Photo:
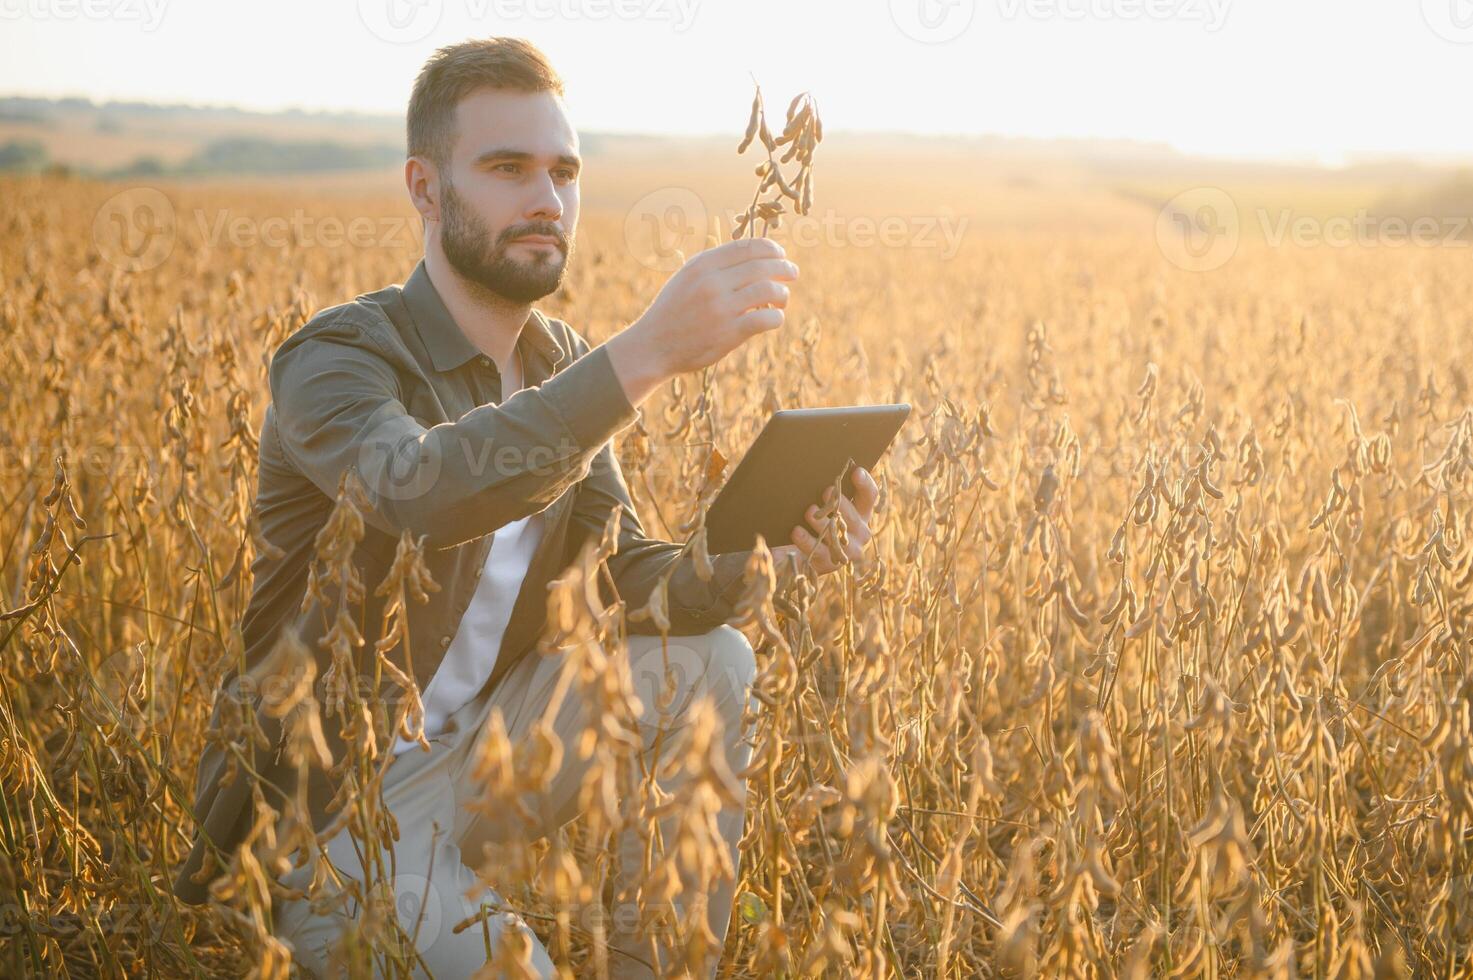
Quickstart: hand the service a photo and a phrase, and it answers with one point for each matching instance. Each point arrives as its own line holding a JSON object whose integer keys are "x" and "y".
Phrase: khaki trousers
{"x": 428, "y": 791}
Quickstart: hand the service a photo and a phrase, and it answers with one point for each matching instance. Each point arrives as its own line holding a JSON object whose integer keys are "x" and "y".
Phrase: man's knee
{"x": 730, "y": 655}
{"x": 430, "y": 909}
{"x": 675, "y": 674}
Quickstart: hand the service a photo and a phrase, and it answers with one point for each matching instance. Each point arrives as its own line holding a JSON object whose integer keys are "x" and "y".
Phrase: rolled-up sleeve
{"x": 337, "y": 406}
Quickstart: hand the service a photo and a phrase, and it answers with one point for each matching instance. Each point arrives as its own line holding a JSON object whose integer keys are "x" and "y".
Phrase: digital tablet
{"x": 798, "y": 454}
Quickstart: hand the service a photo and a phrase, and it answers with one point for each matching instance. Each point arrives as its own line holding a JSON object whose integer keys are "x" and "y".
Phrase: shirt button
{"x": 480, "y": 570}
{"x": 485, "y": 361}
{"x": 445, "y": 642}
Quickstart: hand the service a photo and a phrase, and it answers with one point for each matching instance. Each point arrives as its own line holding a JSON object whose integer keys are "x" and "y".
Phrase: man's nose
{"x": 545, "y": 202}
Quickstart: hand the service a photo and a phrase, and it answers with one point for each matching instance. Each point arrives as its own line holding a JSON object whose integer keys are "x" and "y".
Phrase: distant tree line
{"x": 235, "y": 155}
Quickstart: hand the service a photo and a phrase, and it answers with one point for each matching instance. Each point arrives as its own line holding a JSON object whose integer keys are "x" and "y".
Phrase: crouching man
{"x": 484, "y": 428}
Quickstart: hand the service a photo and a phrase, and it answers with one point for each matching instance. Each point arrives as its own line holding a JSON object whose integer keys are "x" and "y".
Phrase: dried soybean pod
{"x": 805, "y": 147}
{"x": 793, "y": 106}
{"x": 794, "y": 128}
{"x": 1071, "y": 607}
{"x": 795, "y": 123}
{"x": 782, "y": 185}
{"x": 752, "y": 122}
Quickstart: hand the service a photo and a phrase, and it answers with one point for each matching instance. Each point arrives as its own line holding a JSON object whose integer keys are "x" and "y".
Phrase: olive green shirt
{"x": 389, "y": 387}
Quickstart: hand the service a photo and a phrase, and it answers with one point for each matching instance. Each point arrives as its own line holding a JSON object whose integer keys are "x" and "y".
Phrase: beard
{"x": 471, "y": 252}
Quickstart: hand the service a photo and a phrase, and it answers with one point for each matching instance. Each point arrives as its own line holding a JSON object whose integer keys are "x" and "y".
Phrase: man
{"x": 484, "y": 428}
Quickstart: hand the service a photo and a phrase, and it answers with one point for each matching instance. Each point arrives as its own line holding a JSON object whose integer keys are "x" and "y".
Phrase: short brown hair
{"x": 454, "y": 72}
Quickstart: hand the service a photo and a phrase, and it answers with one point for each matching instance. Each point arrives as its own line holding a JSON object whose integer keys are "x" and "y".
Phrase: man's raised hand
{"x": 711, "y": 305}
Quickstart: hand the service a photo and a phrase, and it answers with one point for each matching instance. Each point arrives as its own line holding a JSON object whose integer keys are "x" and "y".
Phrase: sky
{"x": 1304, "y": 80}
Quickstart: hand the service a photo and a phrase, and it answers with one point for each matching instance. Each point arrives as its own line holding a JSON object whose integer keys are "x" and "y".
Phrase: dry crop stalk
{"x": 802, "y": 132}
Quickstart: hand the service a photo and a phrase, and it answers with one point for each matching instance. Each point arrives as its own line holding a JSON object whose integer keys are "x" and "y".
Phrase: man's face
{"x": 509, "y": 195}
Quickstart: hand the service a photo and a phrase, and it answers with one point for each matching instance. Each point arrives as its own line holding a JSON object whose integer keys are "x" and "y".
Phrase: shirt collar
{"x": 448, "y": 346}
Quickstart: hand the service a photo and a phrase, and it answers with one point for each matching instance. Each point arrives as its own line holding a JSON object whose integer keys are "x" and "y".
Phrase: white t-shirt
{"x": 473, "y": 651}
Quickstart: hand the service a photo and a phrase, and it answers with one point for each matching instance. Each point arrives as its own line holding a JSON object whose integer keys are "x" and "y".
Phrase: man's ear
{"x": 422, "y": 180}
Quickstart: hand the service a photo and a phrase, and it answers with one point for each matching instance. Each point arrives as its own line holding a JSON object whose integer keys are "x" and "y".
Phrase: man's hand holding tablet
{"x": 816, "y": 546}
{"x": 783, "y": 488}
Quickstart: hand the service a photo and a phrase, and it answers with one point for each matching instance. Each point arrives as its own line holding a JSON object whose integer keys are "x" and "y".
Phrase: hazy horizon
{"x": 724, "y": 133}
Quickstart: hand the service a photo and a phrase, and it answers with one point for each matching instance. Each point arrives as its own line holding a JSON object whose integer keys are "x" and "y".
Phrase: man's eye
{"x": 500, "y": 166}
{"x": 568, "y": 174}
